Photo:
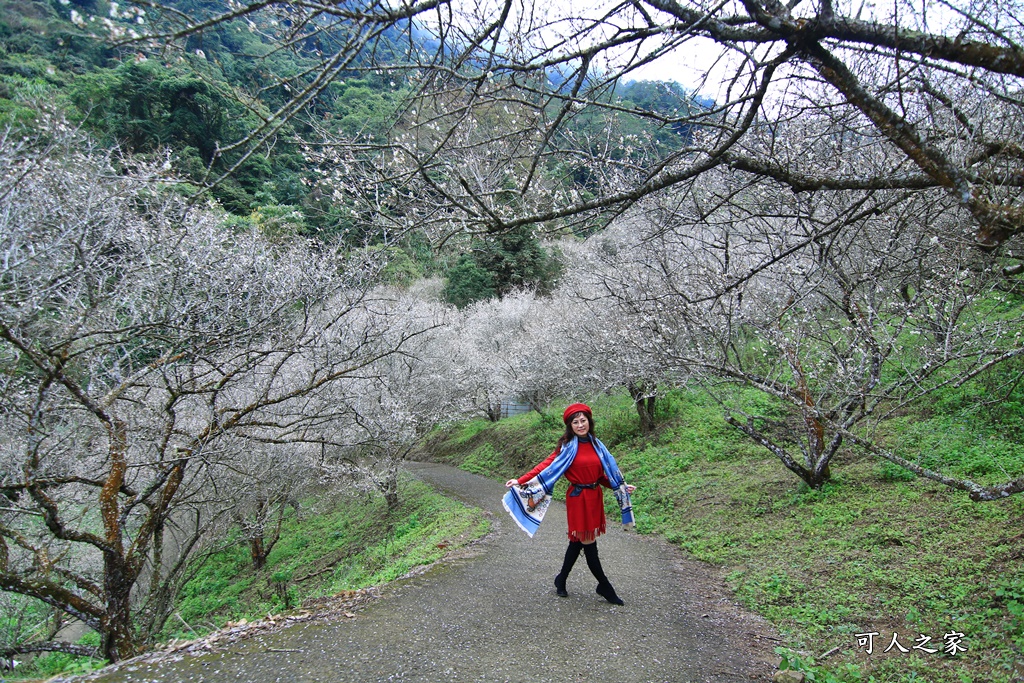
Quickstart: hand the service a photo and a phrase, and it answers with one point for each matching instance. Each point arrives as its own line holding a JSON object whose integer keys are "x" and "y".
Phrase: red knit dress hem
{"x": 587, "y": 536}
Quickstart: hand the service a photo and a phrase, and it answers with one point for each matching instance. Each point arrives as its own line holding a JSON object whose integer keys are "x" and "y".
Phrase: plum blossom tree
{"x": 546, "y": 359}
{"x": 145, "y": 351}
{"x": 483, "y": 357}
{"x": 845, "y": 311}
{"x": 375, "y": 419}
{"x": 617, "y": 350}
{"x": 539, "y": 348}
{"x": 275, "y": 478}
{"x": 822, "y": 124}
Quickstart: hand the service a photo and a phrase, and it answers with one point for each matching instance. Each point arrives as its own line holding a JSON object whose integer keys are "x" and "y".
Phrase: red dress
{"x": 585, "y": 511}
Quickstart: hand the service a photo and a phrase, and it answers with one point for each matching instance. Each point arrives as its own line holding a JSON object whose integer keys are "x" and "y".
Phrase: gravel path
{"x": 491, "y": 614}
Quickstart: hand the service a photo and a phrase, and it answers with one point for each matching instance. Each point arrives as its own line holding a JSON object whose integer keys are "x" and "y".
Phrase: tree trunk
{"x": 117, "y": 637}
{"x": 391, "y": 497}
{"x": 645, "y": 409}
{"x": 818, "y": 470}
{"x": 814, "y": 475}
{"x": 644, "y": 402}
{"x": 389, "y": 487}
{"x": 258, "y": 552}
{"x": 817, "y": 478}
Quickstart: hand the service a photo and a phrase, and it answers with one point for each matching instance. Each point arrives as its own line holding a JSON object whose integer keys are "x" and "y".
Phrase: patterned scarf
{"x": 528, "y": 503}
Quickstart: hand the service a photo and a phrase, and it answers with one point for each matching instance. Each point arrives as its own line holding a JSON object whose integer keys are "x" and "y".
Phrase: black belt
{"x": 577, "y": 489}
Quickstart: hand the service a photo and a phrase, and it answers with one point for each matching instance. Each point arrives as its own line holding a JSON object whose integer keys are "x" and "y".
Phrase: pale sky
{"x": 695, "y": 65}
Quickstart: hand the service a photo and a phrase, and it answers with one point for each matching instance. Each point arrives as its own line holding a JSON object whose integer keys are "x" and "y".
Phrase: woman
{"x": 586, "y": 464}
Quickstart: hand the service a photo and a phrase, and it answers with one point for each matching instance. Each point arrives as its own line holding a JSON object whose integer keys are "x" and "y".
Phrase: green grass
{"x": 354, "y": 543}
{"x": 974, "y": 431}
{"x": 876, "y": 549}
{"x": 48, "y": 664}
{"x": 51, "y": 664}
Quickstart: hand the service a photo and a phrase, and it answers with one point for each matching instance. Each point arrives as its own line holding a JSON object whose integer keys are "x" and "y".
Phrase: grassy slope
{"x": 353, "y": 543}
{"x": 875, "y": 550}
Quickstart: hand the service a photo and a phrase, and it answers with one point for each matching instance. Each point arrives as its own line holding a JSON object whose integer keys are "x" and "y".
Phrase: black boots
{"x": 604, "y": 587}
{"x": 571, "y": 553}
{"x": 606, "y": 591}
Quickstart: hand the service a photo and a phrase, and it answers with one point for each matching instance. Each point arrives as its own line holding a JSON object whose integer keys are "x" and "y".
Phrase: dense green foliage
{"x": 192, "y": 102}
{"x": 53, "y": 663}
{"x": 876, "y": 549}
{"x": 468, "y": 282}
{"x": 502, "y": 264}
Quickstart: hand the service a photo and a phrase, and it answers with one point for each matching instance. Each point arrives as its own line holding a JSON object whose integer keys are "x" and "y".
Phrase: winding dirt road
{"x": 492, "y": 615}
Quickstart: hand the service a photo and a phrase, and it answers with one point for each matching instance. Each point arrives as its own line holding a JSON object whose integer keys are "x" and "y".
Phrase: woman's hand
{"x": 511, "y": 482}
{"x": 630, "y": 488}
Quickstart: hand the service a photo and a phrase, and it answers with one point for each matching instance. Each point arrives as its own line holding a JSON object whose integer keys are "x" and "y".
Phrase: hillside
{"x": 194, "y": 102}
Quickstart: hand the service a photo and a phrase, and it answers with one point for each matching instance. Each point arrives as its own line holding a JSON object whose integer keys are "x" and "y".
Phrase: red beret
{"x": 576, "y": 408}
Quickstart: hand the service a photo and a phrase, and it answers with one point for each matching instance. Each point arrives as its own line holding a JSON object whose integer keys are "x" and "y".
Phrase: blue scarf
{"x": 528, "y": 503}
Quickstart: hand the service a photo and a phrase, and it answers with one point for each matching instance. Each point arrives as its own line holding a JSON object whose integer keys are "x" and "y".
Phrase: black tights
{"x": 593, "y": 562}
{"x": 571, "y": 553}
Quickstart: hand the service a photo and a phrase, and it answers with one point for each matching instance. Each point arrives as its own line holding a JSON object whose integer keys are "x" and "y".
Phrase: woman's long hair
{"x": 569, "y": 434}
